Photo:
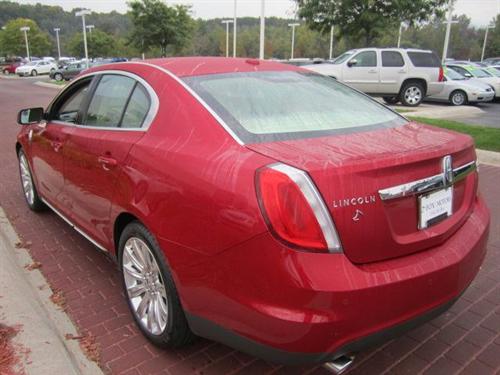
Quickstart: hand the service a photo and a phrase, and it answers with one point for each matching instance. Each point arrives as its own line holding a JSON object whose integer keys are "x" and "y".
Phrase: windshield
{"x": 270, "y": 106}
{"x": 494, "y": 72}
{"x": 480, "y": 73}
{"x": 454, "y": 76}
{"x": 342, "y": 58}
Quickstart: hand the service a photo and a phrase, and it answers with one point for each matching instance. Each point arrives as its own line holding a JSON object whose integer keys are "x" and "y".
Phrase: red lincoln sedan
{"x": 258, "y": 204}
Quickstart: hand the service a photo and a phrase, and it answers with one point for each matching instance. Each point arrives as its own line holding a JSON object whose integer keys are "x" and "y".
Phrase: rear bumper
{"x": 293, "y": 307}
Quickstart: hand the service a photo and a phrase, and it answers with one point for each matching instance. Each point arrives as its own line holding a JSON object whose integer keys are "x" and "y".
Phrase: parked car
{"x": 492, "y": 61}
{"x": 258, "y": 204}
{"x": 34, "y": 68}
{"x": 69, "y": 71}
{"x": 11, "y": 68}
{"x": 458, "y": 90}
{"x": 470, "y": 71}
{"x": 405, "y": 75}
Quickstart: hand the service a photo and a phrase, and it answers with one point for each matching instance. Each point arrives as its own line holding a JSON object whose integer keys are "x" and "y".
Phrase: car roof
{"x": 197, "y": 66}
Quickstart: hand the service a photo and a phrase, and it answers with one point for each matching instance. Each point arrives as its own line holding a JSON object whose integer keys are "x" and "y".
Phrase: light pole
{"x": 82, "y": 13}
{"x": 293, "y": 26}
{"x": 25, "y": 29}
{"x": 486, "y": 39}
{"x": 262, "y": 28}
{"x": 331, "y": 43}
{"x": 57, "y": 29}
{"x": 400, "y": 32}
{"x": 234, "y": 30}
{"x": 448, "y": 28}
{"x": 89, "y": 28}
{"x": 227, "y": 22}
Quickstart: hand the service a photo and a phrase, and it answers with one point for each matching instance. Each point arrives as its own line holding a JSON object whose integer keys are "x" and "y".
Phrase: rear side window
{"x": 392, "y": 59}
{"x": 424, "y": 59}
{"x": 137, "y": 108}
{"x": 366, "y": 58}
{"x": 109, "y": 101}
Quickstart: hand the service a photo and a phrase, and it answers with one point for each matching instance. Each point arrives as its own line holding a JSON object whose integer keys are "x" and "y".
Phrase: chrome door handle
{"x": 56, "y": 145}
{"x": 402, "y": 71}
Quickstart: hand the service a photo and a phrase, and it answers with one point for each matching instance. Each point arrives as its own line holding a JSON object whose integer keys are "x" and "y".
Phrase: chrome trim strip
{"x": 427, "y": 184}
{"x": 195, "y": 95}
{"x": 153, "y": 108}
{"x": 96, "y": 244}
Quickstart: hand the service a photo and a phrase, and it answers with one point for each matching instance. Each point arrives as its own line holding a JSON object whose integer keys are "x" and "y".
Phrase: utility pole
{"x": 57, "y": 29}
{"x": 25, "y": 29}
{"x": 399, "y": 35}
{"x": 82, "y": 14}
{"x": 293, "y": 26}
{"x": 227, "y": 22}
{"x": 331, "y": 43}
{"x": 448, "y": 28}
{"x": 486, "y": 39}
{"x": 262, "y": 28}
{"x": 234, "y": 30}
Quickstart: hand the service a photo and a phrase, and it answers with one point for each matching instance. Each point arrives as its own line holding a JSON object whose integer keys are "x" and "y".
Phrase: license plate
{"x": 434, "y": 207}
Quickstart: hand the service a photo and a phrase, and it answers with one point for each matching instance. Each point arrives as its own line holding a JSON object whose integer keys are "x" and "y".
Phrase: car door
{"x": 43, "y": 67}
{"x": 96, "y": 151}
{"x": 362, "y": 71}
{"x": 48, "y": 139}
{"x": 392, "y": 72}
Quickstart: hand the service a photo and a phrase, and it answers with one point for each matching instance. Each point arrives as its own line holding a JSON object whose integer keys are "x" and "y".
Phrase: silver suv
{"x": 396, "y": 74}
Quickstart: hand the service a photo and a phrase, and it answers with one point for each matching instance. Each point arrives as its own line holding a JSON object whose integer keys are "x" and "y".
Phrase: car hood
{"x": 326, "y": 69}
{"x": 494, "y": 81}
{"x": 471, "y": 84}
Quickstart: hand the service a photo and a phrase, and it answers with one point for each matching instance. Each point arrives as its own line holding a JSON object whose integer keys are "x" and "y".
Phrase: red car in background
{"x": 10, "y": 68}
{"x": 258, "y": 204}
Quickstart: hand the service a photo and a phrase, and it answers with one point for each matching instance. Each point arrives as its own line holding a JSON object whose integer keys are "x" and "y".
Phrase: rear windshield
{"x": 424, "y": 59}
{"x": 270, "y": 106}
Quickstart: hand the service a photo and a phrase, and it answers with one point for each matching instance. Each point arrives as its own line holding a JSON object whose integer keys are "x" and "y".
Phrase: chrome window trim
{"x": 424, "y": 185}
{"x": 153, "y": 106}
{"x": 95, "y": 243}
{"x": 193, "y": 94}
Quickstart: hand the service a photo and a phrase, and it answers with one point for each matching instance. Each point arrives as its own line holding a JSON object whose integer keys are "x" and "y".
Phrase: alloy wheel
{"x": 145, "y": 286}
{"x": 413, "y": 95}
{"x": 458, "y": 98}
{"x": 26, "y": 179}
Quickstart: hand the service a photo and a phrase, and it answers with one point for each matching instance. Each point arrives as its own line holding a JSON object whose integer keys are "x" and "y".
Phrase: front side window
{"x": 392, "y": 59}
{"x": 270, "y": 106}
{"x": 109, "y": 101}
{"x": 366, "y": 59}
{"x": 69, "y": 106}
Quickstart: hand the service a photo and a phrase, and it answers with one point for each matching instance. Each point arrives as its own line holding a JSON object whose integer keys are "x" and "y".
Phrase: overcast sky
{"x": 480, "y": 11}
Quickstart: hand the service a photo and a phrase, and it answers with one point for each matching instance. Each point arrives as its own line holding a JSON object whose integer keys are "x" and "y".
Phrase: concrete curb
{"x": 26, "y": 301}
{"x": 50, "y": 85}
{"x": 488, "y": 157}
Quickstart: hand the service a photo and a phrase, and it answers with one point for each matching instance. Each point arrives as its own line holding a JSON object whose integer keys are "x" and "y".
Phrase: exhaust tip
{"x": 340, "y": 365}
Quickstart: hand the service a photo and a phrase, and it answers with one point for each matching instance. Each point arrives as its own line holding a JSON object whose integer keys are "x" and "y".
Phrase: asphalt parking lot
{"x": 465, "y": 340}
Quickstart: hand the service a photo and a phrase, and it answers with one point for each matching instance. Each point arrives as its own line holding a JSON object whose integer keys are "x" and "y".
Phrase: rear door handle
{"x": 372, "y": 71}
{"x": 107, "y": 162}
{"x": 56, "y": 145}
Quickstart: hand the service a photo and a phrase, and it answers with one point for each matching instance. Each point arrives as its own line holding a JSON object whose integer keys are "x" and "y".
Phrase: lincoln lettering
{"x": 354, "y": 201}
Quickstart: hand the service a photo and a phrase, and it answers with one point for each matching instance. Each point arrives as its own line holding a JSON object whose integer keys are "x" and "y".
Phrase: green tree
{"x": 12, "y": 39}
{"x": 158, "y": 25}
{"x": 99, "y": 44}
{"x": 365, "y": 19}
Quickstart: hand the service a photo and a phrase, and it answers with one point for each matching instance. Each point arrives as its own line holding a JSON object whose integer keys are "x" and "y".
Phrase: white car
{"x": 470, "y": 71}
{"x": 34, "y": 68}
{"x": 396, "y": 74}
{"x": 458, "y": 90}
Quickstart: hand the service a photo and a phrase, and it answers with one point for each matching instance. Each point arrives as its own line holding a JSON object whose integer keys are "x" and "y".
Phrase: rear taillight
{"x": 294, "y": 210}
{"x": 441, "y": 74}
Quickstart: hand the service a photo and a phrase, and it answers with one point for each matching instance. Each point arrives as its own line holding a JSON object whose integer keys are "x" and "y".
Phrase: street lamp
{"x": 293, "y": 26}
{"x": 400, "y": 32}
{"x": 331, "y": 43}
{"x": 448, "y": 28}
{"x": 262, "y": 28}
{"x": 485, "y": 39}
{"x": 227, "y": 22}
{"x": 57, "y": 29}
{"x": 234, "y": 30}
{"x": 90, "y": 27}
{"x": 82, "y": 13}
{"x": 25, "y": 29}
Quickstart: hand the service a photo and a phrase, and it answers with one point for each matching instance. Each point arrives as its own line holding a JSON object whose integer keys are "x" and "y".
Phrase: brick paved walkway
{"x": 466, "y": 339}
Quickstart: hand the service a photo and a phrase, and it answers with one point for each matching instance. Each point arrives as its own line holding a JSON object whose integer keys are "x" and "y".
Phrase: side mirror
{"x": 352, "y": 62}
{"x": 445, "y": 79}
{"x": 467, "y": 75}
{"x": 30, "y": 116}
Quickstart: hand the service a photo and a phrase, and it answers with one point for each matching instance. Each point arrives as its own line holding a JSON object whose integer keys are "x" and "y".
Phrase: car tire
{"x": 58, "y": 77}
{"x": 412, "y": 94}
{"x": 34, "y": 73}
{"x": 146, "y": 278}
{"x": 391, "y": 99}
{"x": 27, "y": 183}
{"x": 458, "y": 97}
